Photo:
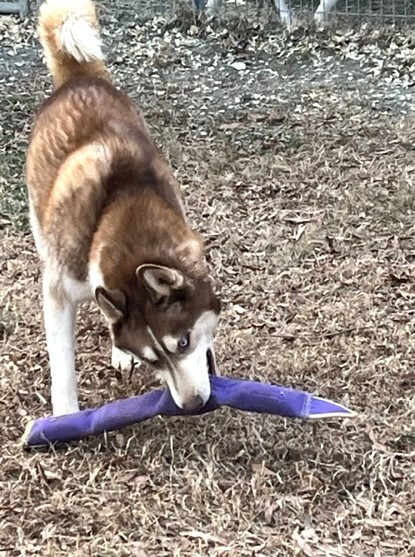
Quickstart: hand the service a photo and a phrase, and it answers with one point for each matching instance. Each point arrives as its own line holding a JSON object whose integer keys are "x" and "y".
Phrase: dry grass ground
{"x": 297, "y": 165}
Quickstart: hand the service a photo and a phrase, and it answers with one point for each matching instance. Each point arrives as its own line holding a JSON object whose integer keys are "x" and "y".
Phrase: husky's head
{"x": 167, "y": 320}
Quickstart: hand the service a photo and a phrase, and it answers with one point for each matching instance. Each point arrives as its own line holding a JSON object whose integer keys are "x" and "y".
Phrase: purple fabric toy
{"x": 248, "y": 396}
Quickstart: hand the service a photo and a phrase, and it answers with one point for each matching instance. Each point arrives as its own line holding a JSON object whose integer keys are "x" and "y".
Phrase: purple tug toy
{"x": 248, "y": 396}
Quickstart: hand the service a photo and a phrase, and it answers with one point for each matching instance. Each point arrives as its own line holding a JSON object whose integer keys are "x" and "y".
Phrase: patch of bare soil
{"x": 296, "y": 156}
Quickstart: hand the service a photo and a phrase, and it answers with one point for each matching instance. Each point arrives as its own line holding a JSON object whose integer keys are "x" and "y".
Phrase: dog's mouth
{"x": 211, "y": 362}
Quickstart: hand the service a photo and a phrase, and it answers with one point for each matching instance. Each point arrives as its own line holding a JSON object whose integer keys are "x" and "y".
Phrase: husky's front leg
{"x": 59, "y": 314}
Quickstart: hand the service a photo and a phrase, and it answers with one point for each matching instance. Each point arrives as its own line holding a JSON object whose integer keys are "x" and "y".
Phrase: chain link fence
{"x": 288, "y": 12}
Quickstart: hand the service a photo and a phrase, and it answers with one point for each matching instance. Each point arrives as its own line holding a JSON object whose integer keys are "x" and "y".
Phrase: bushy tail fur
{"x": 70, "y": 37}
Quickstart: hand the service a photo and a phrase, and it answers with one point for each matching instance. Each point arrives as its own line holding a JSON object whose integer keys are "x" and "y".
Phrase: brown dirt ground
{"x": 299, "y": 172}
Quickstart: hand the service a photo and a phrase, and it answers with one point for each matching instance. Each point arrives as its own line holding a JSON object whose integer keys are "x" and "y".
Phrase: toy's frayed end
{"x": 321, "y": 408}
{"x": 26, "y": 435}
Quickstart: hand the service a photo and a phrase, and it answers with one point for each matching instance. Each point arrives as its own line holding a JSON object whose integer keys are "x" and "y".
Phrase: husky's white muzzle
{"x": 187, "y": 374}
{"x": 188, "y": 379}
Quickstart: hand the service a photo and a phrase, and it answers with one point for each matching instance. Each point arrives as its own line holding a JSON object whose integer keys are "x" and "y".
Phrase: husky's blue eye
{"x": 184, "y": 342}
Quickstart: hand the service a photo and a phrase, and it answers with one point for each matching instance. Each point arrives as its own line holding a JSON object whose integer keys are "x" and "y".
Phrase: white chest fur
{"x": 76, "y": 290}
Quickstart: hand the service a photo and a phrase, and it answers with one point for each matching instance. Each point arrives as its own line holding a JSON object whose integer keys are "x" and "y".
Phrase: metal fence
{"x": 378, "y": 12}
{"x": 287, "y": 12}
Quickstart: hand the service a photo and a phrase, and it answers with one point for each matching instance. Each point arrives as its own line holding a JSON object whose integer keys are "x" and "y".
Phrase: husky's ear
{"x": 160, "y": 281}
{"x": 112, "y": 303}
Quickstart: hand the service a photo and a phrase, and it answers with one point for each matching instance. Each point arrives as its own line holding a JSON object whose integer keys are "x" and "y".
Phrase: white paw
{"x": 122, "y": 361}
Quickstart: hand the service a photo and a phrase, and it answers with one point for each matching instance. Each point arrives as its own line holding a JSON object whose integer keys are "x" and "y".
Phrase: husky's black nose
{"x": 194, "y": 403}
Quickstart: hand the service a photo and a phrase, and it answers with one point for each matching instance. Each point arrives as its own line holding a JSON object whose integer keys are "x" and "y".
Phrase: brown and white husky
{"x": 109, "y": 224}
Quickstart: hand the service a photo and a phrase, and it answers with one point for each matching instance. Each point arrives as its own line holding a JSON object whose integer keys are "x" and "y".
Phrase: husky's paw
{"x": 122, "y": 361}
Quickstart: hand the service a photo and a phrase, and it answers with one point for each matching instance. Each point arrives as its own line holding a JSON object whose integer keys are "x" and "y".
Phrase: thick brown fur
{"x": 89, "y": 160}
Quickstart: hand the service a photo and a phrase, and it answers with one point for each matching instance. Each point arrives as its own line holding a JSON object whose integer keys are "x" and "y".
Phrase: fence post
{"x": 21, "y": 7}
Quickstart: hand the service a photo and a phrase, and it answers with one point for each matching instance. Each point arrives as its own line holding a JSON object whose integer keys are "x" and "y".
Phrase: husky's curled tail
{"x": 70, "y": 37}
